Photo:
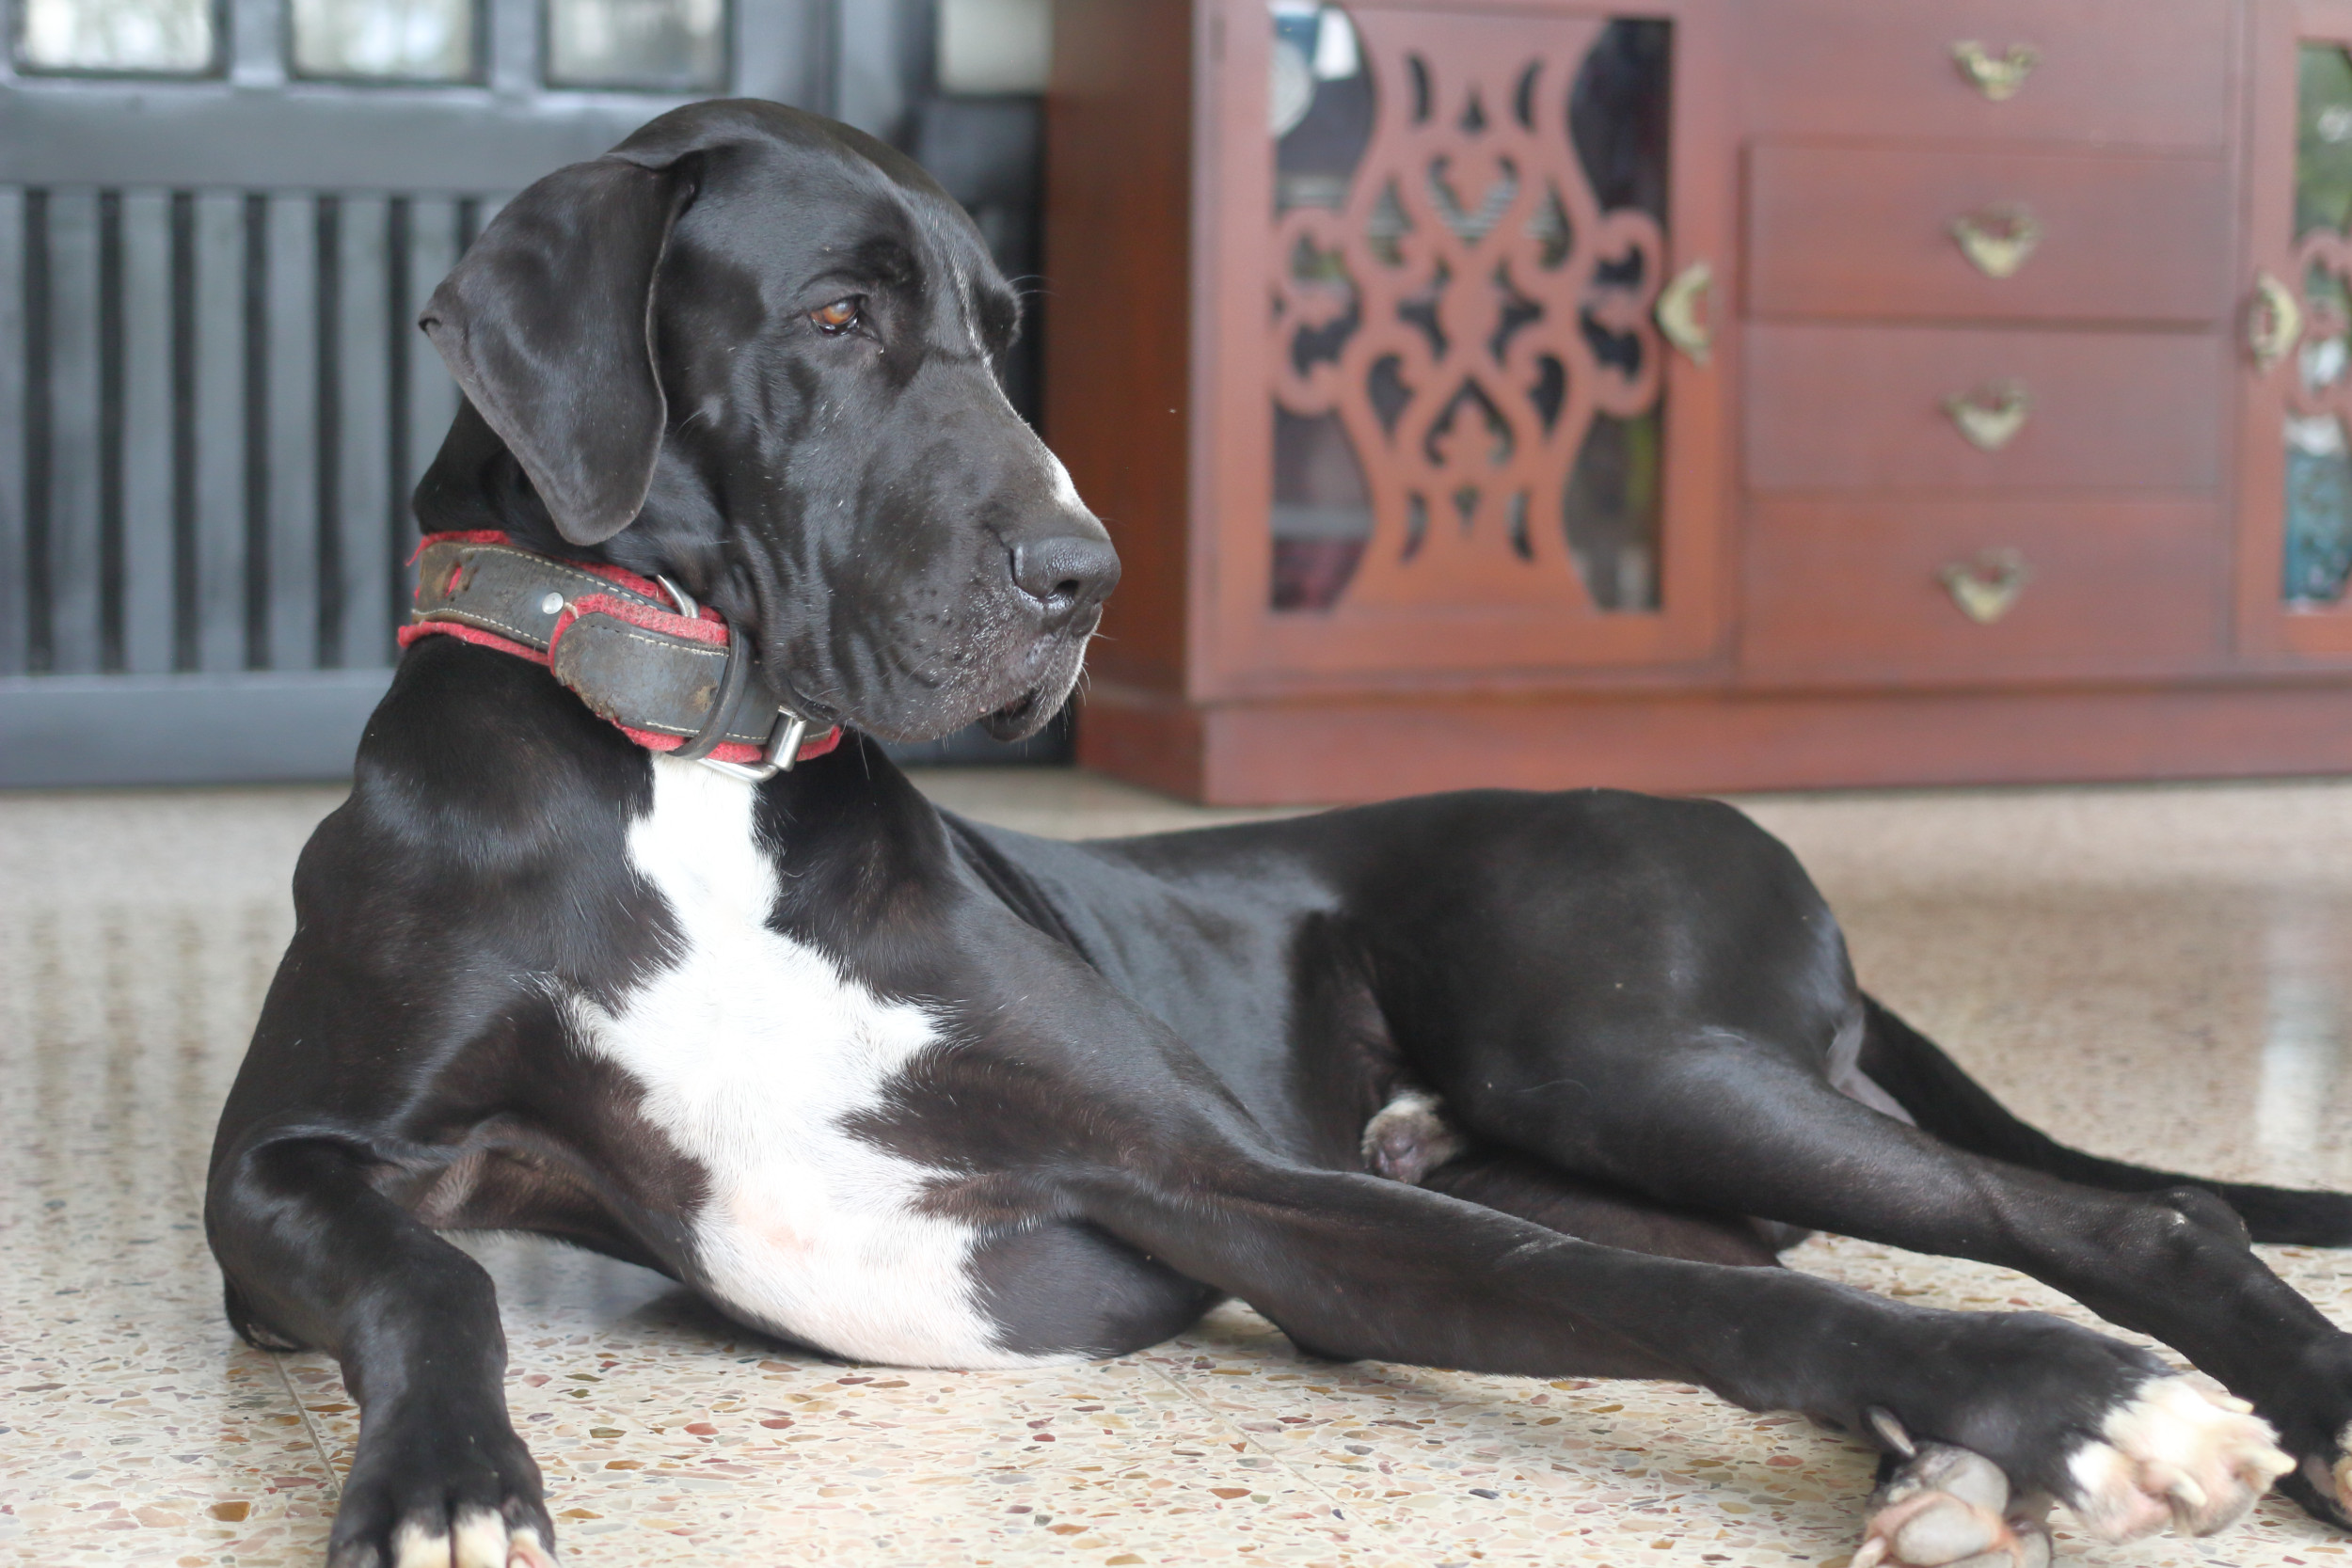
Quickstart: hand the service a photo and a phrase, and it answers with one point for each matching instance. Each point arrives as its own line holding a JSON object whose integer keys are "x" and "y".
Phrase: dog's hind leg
{"x": 1936, "y": 1505}
{"x": 1601, "y": 1213}
{"x": 1938, "y": 1095}
{"x": 1361, "y": 1268}
{"x": 1714, "y": 1120}
{"x": 1412, "y": 1139}
{"x": 316, "y": 1256}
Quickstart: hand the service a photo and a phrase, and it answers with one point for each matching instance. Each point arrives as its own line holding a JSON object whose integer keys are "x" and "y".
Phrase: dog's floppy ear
{"x": 548, "y": 323}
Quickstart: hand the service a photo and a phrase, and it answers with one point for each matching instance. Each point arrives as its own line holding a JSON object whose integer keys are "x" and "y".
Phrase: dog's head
{"x": 759, "y": 351}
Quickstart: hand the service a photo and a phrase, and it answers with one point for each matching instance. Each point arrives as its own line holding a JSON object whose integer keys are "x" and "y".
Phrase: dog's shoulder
{"x": 489, "y": 813}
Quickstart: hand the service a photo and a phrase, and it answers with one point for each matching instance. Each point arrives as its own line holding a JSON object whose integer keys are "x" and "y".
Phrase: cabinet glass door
{"x": 2295, "y": 499}
{"x": 1474, "y": 444}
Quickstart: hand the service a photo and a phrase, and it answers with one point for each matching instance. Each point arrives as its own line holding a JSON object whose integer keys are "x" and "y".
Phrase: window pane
{"x": 173, "y": 36}
{"x": 429, "y": 41}
{"x": 636, "y": 43}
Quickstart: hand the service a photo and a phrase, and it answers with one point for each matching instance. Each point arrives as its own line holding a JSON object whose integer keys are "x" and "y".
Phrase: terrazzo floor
{"x": 2160, "y": 973}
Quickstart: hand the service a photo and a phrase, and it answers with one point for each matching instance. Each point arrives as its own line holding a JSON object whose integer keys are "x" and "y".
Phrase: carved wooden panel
{"x": 1466, "y": 307}
{"x": 1436, "y": 435}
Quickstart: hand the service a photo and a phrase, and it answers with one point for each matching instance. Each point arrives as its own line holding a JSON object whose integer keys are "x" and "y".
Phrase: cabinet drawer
{"x": 1864, "y": 407}
{"x": 2115, "y": 236}
{"x": 2147, "y": 72}
{"x": 1853, "y": 592}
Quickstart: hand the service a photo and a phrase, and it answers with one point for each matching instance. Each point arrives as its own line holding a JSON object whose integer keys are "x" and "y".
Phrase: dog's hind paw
{"x": 2171, "y": 1456}
{"x": 2322, "y": 1484}
{"x": 2333, "y": 1483}
{"x": 1948, "y": 1508}
{"x": 1409, "y": 1138}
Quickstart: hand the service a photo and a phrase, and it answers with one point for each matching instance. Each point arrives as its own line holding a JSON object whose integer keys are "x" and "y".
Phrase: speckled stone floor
{"x": 2160, "y": 973}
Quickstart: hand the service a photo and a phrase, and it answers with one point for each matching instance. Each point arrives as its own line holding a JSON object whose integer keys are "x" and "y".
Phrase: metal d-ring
{"x": 782, "y": 751}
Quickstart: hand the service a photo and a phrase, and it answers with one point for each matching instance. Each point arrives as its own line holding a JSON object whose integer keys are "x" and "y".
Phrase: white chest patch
{"x": 755, "y": 1051}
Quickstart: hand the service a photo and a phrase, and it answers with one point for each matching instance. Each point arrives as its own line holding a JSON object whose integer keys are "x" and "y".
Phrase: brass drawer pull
{"x": 1989, "y": 417}
{"x": 1997, "y": 240}
{"x": 1677, "y": 311}
{"x": 2274, "y": 322}
{"x": 1987, "y": 588}
{"x": 1995, "y": 76}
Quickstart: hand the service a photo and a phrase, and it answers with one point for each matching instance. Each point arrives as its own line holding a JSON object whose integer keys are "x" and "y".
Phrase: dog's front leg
{"x": 316, "y": 1258}
{"x": 1356, "y": 1267}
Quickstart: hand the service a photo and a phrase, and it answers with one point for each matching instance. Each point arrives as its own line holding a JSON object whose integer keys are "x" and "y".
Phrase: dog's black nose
{"x": 1068, "y": 576}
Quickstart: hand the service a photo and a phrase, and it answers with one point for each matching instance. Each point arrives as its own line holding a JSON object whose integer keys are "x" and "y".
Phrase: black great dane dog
{"x": 1513, "y": 1082}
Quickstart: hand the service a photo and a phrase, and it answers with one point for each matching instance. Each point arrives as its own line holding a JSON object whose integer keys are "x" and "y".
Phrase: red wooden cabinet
{"x": 1706, "y": 394}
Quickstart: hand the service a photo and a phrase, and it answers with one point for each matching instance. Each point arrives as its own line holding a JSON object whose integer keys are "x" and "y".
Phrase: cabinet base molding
{"x": 1336, "y": 752}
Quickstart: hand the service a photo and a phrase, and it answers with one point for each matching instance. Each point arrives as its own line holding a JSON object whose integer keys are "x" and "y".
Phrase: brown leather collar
{"x": 636, "y": 650}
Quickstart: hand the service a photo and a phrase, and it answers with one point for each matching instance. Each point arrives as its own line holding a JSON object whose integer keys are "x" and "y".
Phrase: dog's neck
{"x": 475, "y": 484}
{"x": 674, "y": 677}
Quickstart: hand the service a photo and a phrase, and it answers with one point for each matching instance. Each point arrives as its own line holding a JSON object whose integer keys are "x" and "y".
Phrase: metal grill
{"x": 224, "y": 404}
{"x": 213, "y": 404}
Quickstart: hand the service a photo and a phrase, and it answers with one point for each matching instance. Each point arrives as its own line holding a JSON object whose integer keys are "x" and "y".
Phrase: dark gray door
{"x": 217, "y": 221}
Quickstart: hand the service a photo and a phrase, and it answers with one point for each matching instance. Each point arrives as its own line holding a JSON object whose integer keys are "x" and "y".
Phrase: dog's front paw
{"x": 1949, "y": 1506}
{"x": 438, "y": 1500}
{"x": 2171, "y": 1456}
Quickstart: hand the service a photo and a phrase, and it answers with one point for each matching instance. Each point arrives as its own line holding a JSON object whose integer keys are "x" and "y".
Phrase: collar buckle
{"x": 783, "y": 742}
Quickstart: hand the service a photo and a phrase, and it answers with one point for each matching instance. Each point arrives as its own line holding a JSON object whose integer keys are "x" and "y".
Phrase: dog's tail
{"x": 1954, "y": 1107}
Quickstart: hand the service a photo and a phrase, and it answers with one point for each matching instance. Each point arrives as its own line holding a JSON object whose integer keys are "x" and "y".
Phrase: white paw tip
{"x": 1944, "y": 1533}
{"x": 415, "y": 1545}
{"x": 1951, "y": 1509}
{"x": 1975, "y": 1480}
{"x": 480, "y": 1539}
{"x": 2173, "y": 1456}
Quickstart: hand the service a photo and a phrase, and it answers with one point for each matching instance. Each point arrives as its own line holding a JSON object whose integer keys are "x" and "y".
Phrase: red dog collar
{"x": 668, "y": 673}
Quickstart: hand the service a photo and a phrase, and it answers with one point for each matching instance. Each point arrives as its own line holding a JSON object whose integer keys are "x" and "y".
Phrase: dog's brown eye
{"x": 838, "y": 317}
